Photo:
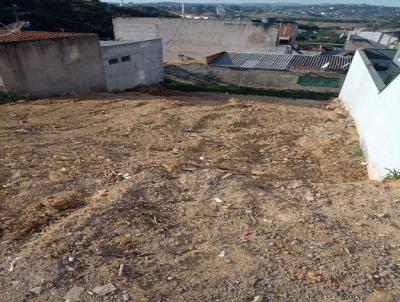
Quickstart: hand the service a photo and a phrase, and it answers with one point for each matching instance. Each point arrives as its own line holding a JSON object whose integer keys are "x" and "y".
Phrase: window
{"x": 113, "y": 61}
{"x": 126, "y": 58}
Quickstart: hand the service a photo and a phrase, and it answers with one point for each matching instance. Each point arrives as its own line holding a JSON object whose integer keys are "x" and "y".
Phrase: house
{"x": 389, "y": 38}
{"x": 129, "y": 64}
{"x": 42, "y": 64}
{"x": 278, "y": 68}
{"x": 371, "y": 93}
{"x": 197, "y": 38}
{"x": 287, "y": 34}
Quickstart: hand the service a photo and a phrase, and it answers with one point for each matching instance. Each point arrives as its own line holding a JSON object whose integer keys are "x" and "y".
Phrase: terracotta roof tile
{"x": 6, "y": 37}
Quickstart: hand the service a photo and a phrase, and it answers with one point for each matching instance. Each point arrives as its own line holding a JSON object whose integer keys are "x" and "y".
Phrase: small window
{"x": 126, "y": 58}
{"x": 113, "y": 61}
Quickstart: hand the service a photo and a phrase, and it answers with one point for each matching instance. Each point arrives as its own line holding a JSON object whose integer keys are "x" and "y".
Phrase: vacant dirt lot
{"x": 191, "y": 197}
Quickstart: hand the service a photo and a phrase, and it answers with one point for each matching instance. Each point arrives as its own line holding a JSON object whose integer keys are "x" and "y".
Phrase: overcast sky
{"x": 372, "y": 2}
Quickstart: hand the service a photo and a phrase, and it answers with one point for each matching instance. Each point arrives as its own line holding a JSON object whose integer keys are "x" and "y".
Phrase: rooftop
{"x": 383, "y": 61}
{"x": 286, "y": 31}
{"x": 25, "y": 36}
{"x": 283, "y": 62}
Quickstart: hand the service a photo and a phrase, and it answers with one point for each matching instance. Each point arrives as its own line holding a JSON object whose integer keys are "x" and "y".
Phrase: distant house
{"x": 287, "y": 34}
{"x": 197, "y": 38}
{"x": 372, "y": 39}
{"x": 129, "y": 64}
{"x": 371, "y": 92}
{"x": 42, "y": 64}
{"x": 220, "y": 10}
{"x": 278, "y": 68}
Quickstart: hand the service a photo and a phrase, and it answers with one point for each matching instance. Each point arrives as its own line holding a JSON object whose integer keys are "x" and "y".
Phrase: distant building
{"x": 40, "y": 64}
{"x": 129, "y": 64}
{"x": 287, "y": 34}
{"x": 371, "y": 92}
{"x": 197, "y": 38}
{"x": 220, "y": 11}
{"x": 275, "y": 69}
{"x": 372, "y": 39}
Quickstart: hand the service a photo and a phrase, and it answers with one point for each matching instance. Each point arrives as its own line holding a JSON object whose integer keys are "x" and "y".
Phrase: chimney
{"x": 121, "y": 3}
{"x": 183, "y": 9}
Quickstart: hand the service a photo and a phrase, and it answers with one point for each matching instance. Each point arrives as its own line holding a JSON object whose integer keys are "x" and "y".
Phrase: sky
{"x": 372, "y": 2}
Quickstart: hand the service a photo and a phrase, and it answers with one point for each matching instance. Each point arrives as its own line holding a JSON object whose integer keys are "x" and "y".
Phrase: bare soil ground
{"x": 191, "y": 197}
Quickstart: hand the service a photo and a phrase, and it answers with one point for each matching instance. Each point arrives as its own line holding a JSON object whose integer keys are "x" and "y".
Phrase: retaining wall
{"x": 253, "y": 77}
{"x": 375, "y": 109}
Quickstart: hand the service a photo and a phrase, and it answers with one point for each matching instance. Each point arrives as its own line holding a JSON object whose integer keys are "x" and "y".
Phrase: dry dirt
{"x": 200, "y": 197}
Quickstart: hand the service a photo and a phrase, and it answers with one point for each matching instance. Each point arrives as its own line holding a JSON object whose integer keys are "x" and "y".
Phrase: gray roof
{"x": 336, "y": 63}
{"x": 253, "y": 60}
{"x": 283, "y": 62}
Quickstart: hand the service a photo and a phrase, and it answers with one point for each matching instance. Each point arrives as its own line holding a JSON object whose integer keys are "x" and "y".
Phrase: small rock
{"x": 104, "y": 289}
{"x": 328, "y": 133}
{"x": 218, "y": 200}
{"x": 295, "y": 185}
{"x": 36, "y": 290}
{"x": 258, "y": 298}
{"x": 74, "y": 293}
{"x": 221, "y": 254}
{"x": 121, "y": 269}
{"x": 125, "y": 296}
{"x": 169, "y": 278}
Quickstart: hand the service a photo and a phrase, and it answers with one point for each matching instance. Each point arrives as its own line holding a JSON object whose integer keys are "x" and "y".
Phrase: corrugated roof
{"x": 6, "y": 37}
{"x": 253, "y": 60}
{"x": 336, "y": 63}
{"x": 270, "y": 61}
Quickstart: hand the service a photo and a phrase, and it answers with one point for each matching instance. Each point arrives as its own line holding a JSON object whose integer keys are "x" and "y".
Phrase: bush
{"x": 293, "y": 94}
{"x": 6, "y": 97}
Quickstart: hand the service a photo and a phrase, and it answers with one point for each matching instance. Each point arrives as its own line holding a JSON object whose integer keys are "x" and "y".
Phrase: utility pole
{"x": 14, "y": 6}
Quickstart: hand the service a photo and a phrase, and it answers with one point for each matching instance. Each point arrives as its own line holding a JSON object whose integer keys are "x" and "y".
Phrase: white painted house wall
{"x": 376, "y": 112}
{"x": 143, "y": 64}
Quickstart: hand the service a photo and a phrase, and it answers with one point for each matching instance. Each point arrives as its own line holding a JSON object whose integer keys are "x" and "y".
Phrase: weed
{"x": 393, "y": 174}
{"x": 358, "y": 153}
{"x": 294, "y": 94}
{"x": 6, "y": 97}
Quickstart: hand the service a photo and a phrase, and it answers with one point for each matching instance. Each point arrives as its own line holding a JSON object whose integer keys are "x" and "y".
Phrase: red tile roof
{"x": 6, "y": 37}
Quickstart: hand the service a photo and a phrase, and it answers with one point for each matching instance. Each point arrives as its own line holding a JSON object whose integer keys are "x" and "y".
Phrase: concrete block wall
{"x": 257, "y": 78}
{"x": 144, "y": 66}
{"x": 197, "y": 38}
{"x": 375, "y": 109}
{"x": 52, "y": 67}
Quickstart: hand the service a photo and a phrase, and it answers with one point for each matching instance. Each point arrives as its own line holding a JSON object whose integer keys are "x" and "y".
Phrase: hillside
{"x": 72, "y": 15}
{"x": 191, "y": 197}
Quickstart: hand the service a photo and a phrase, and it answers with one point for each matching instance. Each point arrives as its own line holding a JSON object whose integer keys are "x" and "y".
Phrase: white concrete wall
{"x": 145, "y": 66}
{"x": 197, "y": 38}
{"x": 376, "y": 112}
